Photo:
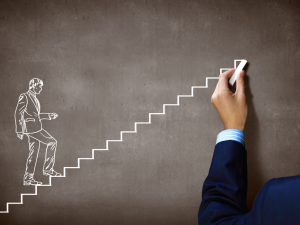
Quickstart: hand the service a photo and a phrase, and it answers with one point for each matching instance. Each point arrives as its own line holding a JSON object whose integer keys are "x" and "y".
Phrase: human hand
{"x": 53, "y": 116}
{"x": 232, "y": 107}
{"x": 20, "y": 136}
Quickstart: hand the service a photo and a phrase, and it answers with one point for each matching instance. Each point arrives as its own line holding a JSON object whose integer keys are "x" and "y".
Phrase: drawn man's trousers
{"x": 44, "y": 140}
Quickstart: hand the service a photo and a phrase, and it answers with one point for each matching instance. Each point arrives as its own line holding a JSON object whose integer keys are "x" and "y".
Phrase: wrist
{"x": 241, "y": 128}
{"x": 235, "y": 124}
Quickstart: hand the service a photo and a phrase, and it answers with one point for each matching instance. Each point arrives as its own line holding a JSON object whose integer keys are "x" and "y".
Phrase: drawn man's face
{"x": 38, "y": 88}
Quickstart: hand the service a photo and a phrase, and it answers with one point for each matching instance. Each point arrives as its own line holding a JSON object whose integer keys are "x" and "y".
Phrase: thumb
{"x": 240, "y": 84}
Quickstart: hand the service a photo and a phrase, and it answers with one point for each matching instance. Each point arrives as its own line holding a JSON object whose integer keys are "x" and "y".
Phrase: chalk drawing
{"x": 222, "y": 70}
{"x": 28, "y": 122}
{"x": 120, "y": 140}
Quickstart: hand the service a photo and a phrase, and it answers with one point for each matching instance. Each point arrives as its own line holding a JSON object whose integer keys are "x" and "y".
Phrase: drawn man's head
{"x": 35, "y": 85}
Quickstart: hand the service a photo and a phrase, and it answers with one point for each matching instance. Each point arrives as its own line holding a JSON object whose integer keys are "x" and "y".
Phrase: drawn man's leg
{"x": 45, "y": 138}
{"x": 49, "y": 162}
{"x": 34, "y": 147}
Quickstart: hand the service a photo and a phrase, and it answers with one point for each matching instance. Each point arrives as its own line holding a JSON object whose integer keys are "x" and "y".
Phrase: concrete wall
{"x": 106, "y": 65}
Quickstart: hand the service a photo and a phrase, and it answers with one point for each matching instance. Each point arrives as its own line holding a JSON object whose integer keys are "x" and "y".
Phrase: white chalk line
{"x": 107, "y": 141}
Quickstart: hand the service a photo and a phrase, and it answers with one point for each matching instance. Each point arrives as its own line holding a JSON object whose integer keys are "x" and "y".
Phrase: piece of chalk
{"x": 237, "y": 71}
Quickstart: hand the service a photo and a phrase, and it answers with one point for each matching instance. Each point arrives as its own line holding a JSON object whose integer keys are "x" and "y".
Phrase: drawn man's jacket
{"x": 28, "y": 116}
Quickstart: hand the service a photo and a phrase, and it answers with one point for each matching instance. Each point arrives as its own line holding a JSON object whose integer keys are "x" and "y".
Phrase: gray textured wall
{"x": 107, "y": 64}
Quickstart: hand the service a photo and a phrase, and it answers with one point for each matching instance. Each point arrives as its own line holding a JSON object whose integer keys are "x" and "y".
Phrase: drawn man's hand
{"x": 232, "y": 107}
{"x": 53, "y": 116}
{"x": 20, "y": 136}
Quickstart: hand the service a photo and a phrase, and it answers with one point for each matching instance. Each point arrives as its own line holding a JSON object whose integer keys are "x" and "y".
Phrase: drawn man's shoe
{"x": 52, "y": 173}
{"x": 28, "y": 180}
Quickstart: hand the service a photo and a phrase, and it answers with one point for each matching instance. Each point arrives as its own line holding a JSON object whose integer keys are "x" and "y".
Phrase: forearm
{"x": 225, "y": 188}
{"x": 45, "y": 116}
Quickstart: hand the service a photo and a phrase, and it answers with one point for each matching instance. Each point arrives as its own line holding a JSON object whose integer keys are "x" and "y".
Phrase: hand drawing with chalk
{"x": 28, "y": 122}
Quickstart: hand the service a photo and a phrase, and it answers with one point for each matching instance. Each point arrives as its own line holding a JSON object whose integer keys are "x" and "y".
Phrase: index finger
{"x": 223, "y": 79}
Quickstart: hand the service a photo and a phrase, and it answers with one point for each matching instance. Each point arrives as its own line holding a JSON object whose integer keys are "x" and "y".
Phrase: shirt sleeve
{"x": 231, "y": 134}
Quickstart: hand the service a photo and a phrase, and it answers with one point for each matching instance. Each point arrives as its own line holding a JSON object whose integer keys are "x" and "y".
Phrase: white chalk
{"x": 237, "y": 70}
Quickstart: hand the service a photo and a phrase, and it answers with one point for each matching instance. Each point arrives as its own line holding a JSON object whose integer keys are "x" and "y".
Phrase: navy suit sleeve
{"x": 225, "y": 190}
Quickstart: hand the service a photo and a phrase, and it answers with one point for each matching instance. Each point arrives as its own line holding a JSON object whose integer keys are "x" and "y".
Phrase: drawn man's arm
{"x": 19, "y": 116}
{"x": 45, "y": 116}
{"x": 48, "y": 116}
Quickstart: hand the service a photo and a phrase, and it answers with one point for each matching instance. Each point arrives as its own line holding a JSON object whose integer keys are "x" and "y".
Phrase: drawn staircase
{"x": 120, "y": 140}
